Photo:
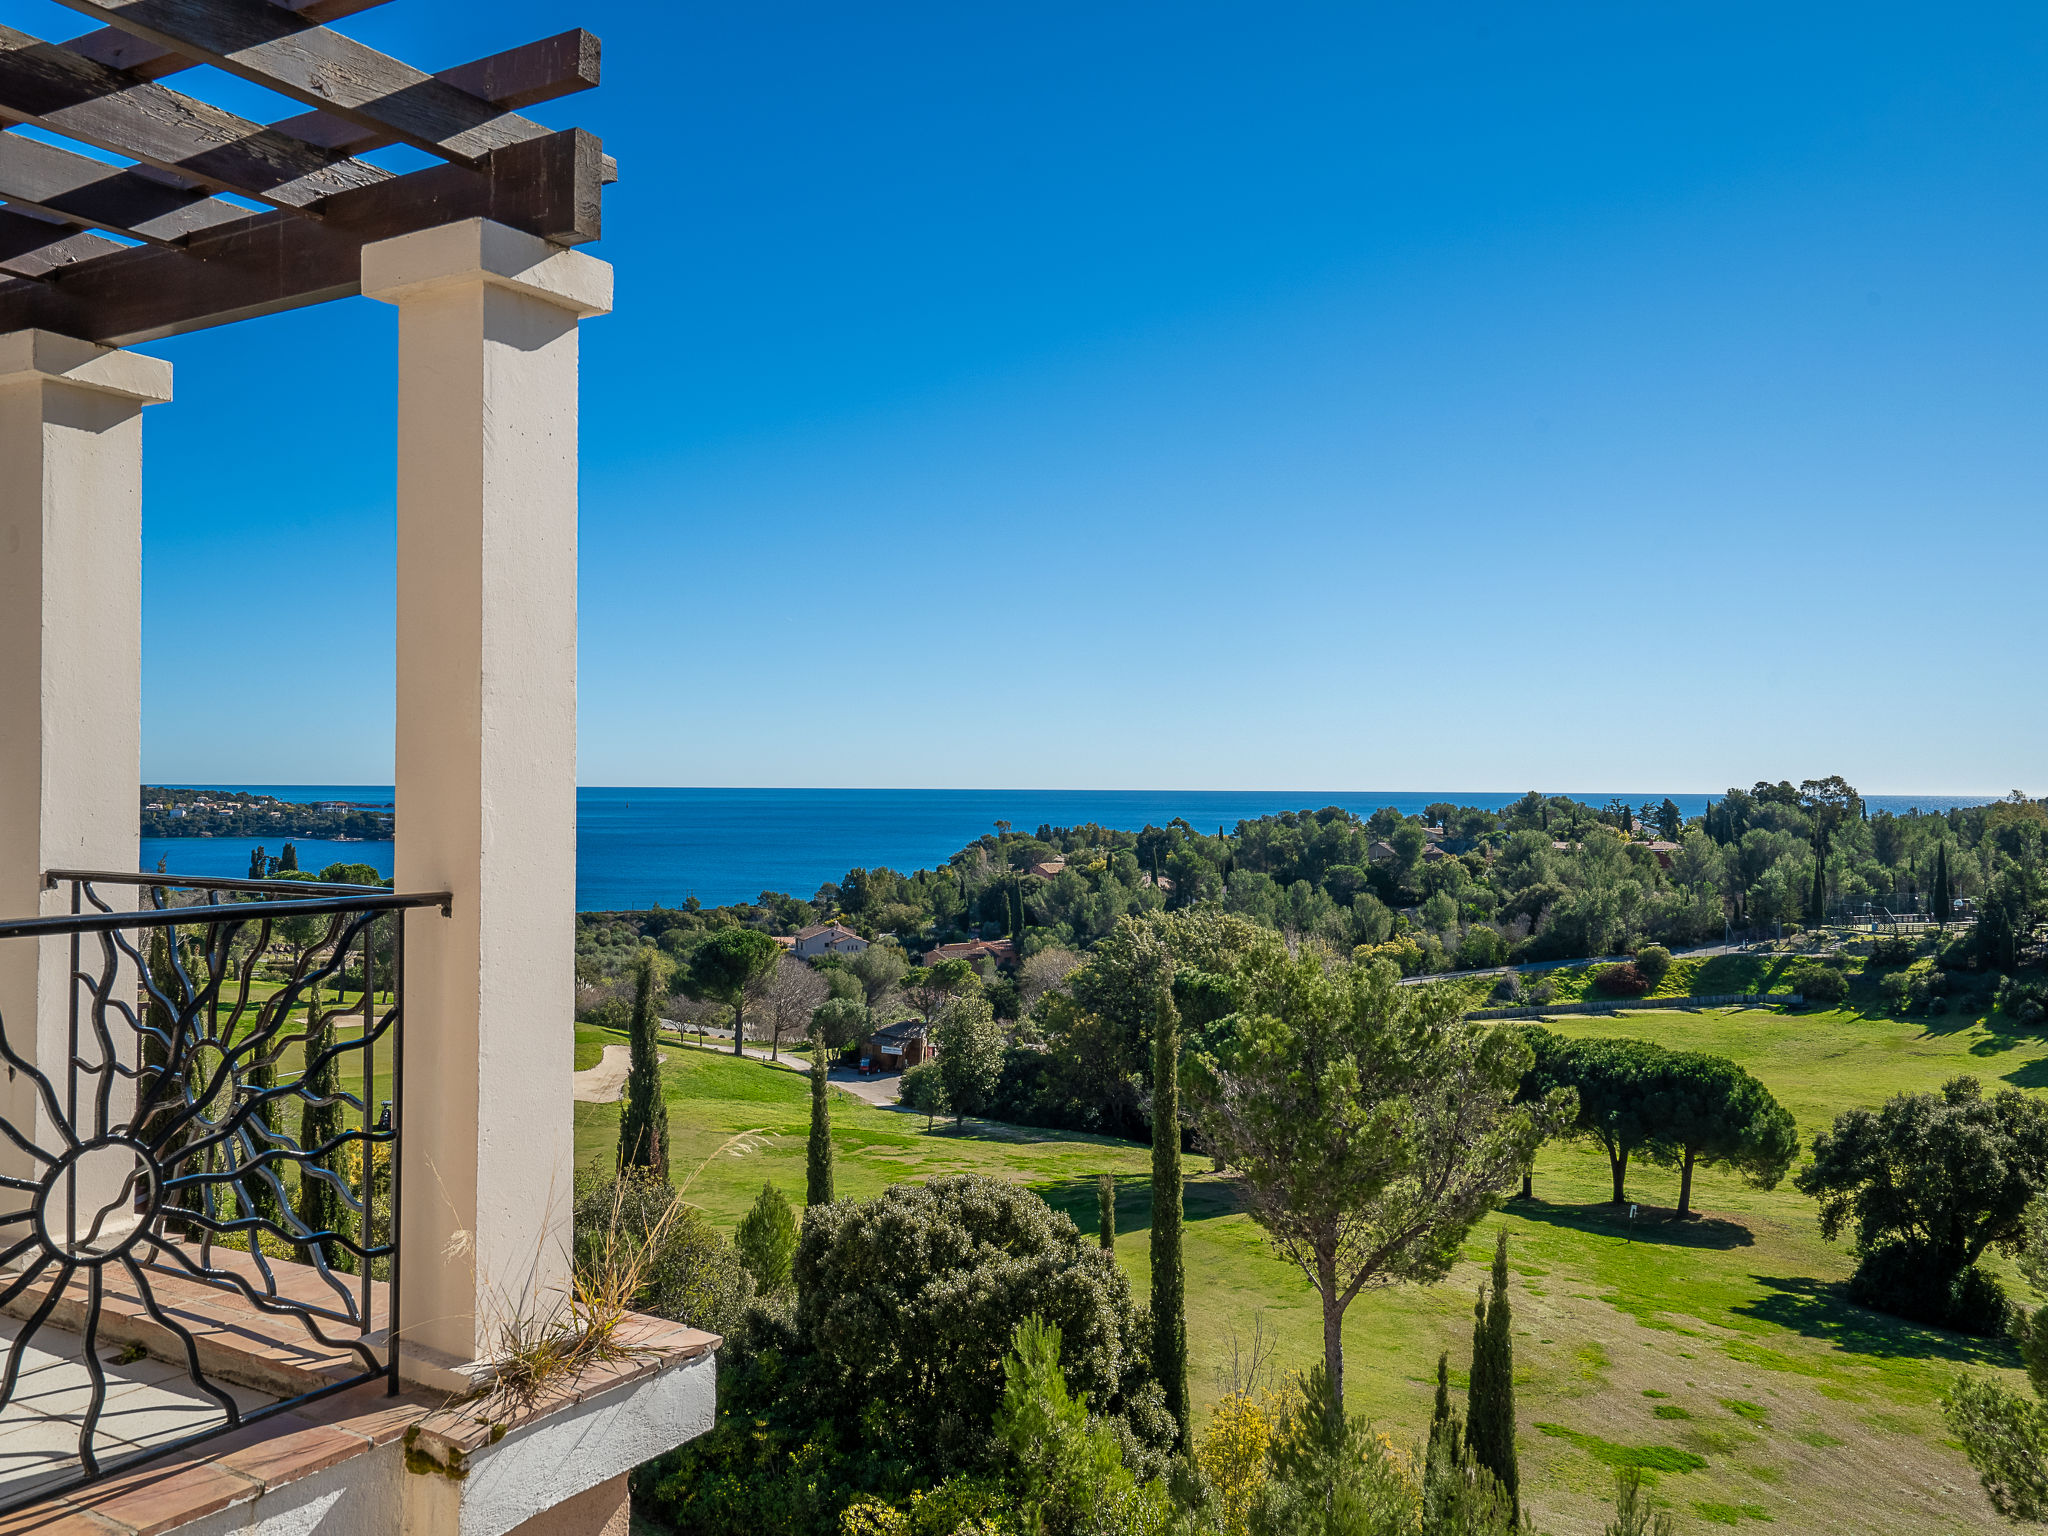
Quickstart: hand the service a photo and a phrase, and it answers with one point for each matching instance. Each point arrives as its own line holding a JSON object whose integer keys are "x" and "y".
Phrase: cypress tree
{"x": 643, "y": 1123}
{"x": 1105, "y": 1211}
{"x": 1490, "y": 1403}
{"x": 1169, "y": 1283}
{"x": 1817, "y": 904}
{"x": 1944, "y": 897}
{"x": 818, "y": 1185}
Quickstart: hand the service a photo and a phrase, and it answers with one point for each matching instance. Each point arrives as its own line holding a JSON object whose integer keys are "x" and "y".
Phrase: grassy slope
{"x": 1805, "y": 1410}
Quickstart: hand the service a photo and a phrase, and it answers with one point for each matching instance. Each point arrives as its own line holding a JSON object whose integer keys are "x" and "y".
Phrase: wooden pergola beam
{"x": 151, "y": 61}
{"x": 81, "y": 190}
{"x": 31, "y": 246}
{"x": 151, "y": 205}
{"x": 519, "y": 77}
{"x": 271, "y": 46}
{"x": 550, "y": 187}
{"x": 53, "y": 88}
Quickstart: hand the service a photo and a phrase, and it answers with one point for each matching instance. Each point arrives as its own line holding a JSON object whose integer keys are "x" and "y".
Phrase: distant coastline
{"x": 640, "y": 846}
{"x": 175, "y": 811}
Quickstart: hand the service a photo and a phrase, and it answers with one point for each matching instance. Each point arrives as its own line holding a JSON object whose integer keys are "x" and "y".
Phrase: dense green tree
{"x": 1490, "y": 1400}
{"x": 1371, "y": 1126}
{"x": 1105, "y": 1211}
{"x": 1926, "y": 1184}
{"x": 818, "y": 1159}
{"x": 643, "y": 1118}
{"x": 970, "y": 1055}
{"x": 2003, "y": 1432}
{"x": 923, "y": 1089}
{"x": 1706, "y": 1110}
{"x": 1067, "y": 1467}
{"x": 1614, "y": 1080}
{"x": 910, "y": 1299}
{"x": 931, "y": 987}
{"x": 1943, "y": 903}
{"x": 766, "y": 1239}
{"x": 839, "y": 1021}
{"x": 725, "y": 966}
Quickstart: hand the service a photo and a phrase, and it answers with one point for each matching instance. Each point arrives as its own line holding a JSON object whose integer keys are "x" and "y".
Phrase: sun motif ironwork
{"x": 215, "y": 1100}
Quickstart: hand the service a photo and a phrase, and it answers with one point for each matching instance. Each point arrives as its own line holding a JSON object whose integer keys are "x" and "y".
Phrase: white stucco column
{"x": 486, "y": 769}
{"x": 70, "y": 663}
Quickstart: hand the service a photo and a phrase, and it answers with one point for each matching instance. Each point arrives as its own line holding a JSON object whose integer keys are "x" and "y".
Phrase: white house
{"x": 827, "y": 939}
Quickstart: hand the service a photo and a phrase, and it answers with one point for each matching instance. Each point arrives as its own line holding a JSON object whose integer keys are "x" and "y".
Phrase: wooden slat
{"x": 53, "y": 88}
{"x": 151, "y": 61}
{"x": 151, "y": 205}
{"x": 143, "y": 203}
{"x": 275, "y": 48}
{"x": 549, "y": 187}
{"x": 30, "y": 246}
{"x": 543, "y": 71}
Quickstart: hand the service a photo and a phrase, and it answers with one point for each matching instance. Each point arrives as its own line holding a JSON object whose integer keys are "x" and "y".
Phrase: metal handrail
{"x": 218, "y": 1121}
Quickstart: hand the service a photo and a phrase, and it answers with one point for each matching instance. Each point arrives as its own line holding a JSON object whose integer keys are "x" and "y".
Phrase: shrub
{"x": 1895, "y": 949}
{"x": 612, "y": 1013}
{"x": 1821, "y": 984}
{"x": 909, "y": 1300}
{"x": 1509, "y": 988}
{"x": 1624, "y": 980}
{"x": 766, "y": 1240}
{"x": 1958, "y": 954}
{"x": 1654, "y": 961}
{"x": 1541, "y": 992}
{"x": 1901, "y": 1279}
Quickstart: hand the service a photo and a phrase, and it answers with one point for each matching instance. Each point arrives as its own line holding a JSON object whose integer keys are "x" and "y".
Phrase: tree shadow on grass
{"x": 1817, "y": 1309}
{"x": 1653, "y": 1224}
{"x": 1202, "y": 1199}
{"x": 2028, "y": 1074}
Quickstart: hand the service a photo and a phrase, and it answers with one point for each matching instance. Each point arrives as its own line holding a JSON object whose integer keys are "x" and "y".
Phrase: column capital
{"x": 477, "y": 251}
{"x": 58, "y": 359}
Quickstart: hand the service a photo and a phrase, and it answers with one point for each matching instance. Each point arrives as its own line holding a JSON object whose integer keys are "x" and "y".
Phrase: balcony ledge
{"x": 363, "y": 1460}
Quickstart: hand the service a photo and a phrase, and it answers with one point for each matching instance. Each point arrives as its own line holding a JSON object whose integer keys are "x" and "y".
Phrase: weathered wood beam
{"x": 153, "y": 205}
{"x": 31, "y": 246}
{"x": 53, "y": 88}
{"x": 150, "y": 61}
{"x": 276, "y": 48}
{"x": 533, "y": 72}
{"x": 141, "y": 202}
{"x": 550, "y": 187}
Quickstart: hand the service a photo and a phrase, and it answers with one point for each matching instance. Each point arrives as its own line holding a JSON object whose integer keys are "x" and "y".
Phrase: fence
{"x": 1720, "y": 1000}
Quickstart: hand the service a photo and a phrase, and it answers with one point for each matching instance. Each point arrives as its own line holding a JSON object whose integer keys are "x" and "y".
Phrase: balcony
{"x": 201, "y": 1252}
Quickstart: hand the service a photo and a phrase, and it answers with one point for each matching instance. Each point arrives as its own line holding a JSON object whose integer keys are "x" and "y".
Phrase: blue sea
{"x": 636, "y": 847}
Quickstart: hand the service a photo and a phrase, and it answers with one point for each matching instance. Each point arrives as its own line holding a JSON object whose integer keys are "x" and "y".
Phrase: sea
{"x": 639, "y": 847}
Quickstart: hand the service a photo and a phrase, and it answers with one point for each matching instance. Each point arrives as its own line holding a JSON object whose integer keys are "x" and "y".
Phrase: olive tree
{"x": 1371, "y": 1124}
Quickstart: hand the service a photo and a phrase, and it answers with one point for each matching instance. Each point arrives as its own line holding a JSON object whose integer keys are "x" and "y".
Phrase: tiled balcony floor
{"x": 148, "y": 1403}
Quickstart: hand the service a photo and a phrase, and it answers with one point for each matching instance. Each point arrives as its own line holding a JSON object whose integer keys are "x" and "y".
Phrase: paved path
{"x": 605, "y": 1083}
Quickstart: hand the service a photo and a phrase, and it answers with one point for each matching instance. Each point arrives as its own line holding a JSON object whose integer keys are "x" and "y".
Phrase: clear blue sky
{"x": 1239, "y": 396}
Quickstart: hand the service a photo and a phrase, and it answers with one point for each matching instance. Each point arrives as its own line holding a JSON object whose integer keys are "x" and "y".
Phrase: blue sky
{"x": 1217, "y": 396}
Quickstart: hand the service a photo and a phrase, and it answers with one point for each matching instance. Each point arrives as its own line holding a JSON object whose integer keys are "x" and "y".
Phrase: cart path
{"x": 605, "y": 1083}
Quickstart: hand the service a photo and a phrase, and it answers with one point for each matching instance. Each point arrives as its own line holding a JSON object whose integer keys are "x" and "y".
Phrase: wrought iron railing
{"x": 226, "y": 1115}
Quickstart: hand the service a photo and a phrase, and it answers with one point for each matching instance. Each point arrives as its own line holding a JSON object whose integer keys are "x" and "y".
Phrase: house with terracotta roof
{"x": 827, "y": 939}
{"x": 1045, "y": 869}
{"x": 1002, "y": 951}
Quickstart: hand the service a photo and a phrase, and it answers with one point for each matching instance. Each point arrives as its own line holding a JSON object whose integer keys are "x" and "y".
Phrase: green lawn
{"x": 1716, "y": 1345}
